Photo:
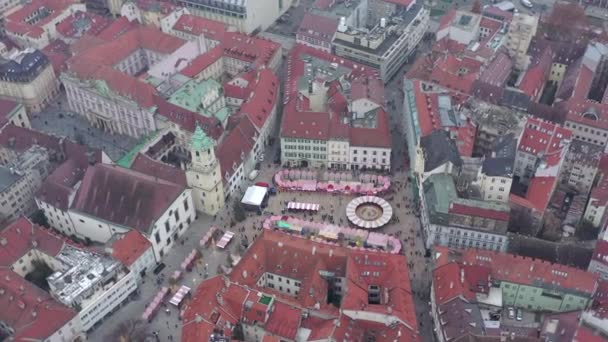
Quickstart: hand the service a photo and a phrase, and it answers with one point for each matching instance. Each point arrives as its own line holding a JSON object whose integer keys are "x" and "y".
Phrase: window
{"x": 176, "y": 215}
{"x": 167, "y": 226}
{"x": 186, "y": 205}
{"x": 168, "y": 241}
{"x": 157, "y": 237}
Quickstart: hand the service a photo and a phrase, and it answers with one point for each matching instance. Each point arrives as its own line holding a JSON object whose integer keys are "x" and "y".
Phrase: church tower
{"x": 204, "y": 175}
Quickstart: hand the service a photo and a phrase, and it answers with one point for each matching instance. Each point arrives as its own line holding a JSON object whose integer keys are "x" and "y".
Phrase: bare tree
{"x": 132, "y": 330}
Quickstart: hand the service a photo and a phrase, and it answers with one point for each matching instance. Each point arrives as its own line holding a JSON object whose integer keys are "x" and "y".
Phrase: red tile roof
{"x": 257, "y": 51}
{"x": 28, "y": 310}
{"x": 539, "y": 194}
{"x": 587, "y": 334}
{"x": 219, "y": 301}
{"x": 455, "y": 73}
{"x": 318, "y": 27}
{"x": 543, "y": 137}
{"x": 117, "y": 28}
{"x": 600, "y": 254}
{"x": 461, "y": 209}
{"x": 6, "y": 107}
{"x": 20, "y": 21}
{"x": 124, "y": 197}
{"x": 58, "y": 52}
{"x": 385, "y": 271}
{"x": 262, "y": 101}
{"x": 302, "y": 124}
{"x": 57, "y": 188}
{"x": 447, "y": 284}
{"x": 235, "y": 147}
{"x": 141, "y": 37}
{"x": 22, "y": 236}
{"x": 368, "y": 88}
{"x": 202, "y": 62}
{"x": 299, "y": 121}
{"x": 521, "y": 270}
{"x": 121, "y": 83}
{"x": 128, "y": 248}
{"x": 498, "y": 71}
{"x": 284, "y": 321}
{"x": 196, "y": 25}
{"x": 20, "y": 139}
{"x": 157, "y": 169}
{"x": 373, "y": 137}
{"x": 80, "y": 23}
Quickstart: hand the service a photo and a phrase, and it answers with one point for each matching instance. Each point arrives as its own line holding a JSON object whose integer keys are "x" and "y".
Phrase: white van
{"x": 527, "y": 3}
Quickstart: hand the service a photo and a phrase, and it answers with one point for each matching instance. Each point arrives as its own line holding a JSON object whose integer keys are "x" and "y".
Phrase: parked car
{"x": 520, "y": 314}
{"x": 511, "y": 312}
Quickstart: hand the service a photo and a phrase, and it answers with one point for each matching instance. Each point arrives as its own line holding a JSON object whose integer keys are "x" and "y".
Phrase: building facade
{"x": 245, "y": 16}
{"x": 28, "y": 77}
{"x": 521, "y": 31}
{"x": 388, "y": 45}
{"x": 21, "y": 179}
{"x": 205, "y": 175}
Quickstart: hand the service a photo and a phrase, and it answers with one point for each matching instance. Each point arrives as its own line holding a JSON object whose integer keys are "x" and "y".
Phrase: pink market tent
{"x": 225, "y": 239}
{"x": 377, "y": 240}
{"x": 207, "y": 236}
{"x": 179, "y": 295}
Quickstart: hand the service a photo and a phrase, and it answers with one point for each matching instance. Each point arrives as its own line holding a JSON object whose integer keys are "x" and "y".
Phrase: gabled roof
{"x": 30, "y": 311}
{"x": 378, "y": 136}
{"x": 22, "y": 236}
{"x": 193, "y": 24}
{"x": 157, "y": 169}
{"x": 20, "y": 139}
{"x": 261, "y": 102}
{"x": 235, "y": 147}
{"x": 124, "y": 197}
{"x": 129, "y": 247}
{"x": 202, "y": 62}
{"x": 521, "y": 270}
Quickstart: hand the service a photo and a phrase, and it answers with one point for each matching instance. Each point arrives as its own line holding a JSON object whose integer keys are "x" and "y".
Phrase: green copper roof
{"x": 190, "y": 96}
{"x": 200, "y": 140}
{"x": 127, "y": 160}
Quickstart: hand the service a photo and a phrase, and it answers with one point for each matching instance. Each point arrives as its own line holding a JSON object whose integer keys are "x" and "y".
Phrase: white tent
{"x": 254, "y": 196}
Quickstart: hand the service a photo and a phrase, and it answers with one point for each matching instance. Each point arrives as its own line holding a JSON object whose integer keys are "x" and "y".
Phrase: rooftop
{"x": 129, "y": 247}
{"x": 8, "y": 177}
{"x": 225, "y": 299}
{"x": 81, "y": 272}
{"x": 124, "y": 197}
{"x": 438, "y": 149}
{"x": 522, "y": 270}
{"x": 199, "y": 96}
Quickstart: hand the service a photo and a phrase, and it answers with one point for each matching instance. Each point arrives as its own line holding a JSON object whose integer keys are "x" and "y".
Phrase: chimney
{"x": 462, "y": 275}
{"x": 11, "y": 142}
{"x": 314, "y": 250}
{"x": 3, "y": 241}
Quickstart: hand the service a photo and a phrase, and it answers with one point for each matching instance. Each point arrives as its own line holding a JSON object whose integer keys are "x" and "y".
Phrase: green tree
{"x": 39, "y": 218}
{"x": 131, "y": 330}
{"x": 238, "y": 212}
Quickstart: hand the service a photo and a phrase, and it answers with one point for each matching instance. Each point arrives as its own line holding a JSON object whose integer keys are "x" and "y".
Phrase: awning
{"x": 225, "y": 239}
{"x": 179, "y": 296}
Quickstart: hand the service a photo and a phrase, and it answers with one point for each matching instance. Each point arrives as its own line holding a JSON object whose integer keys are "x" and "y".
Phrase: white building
{"x": 19, "y": 181}
{"x": 100, "y": 82}
{"x": 134, "y": 251}
{"x": 388, "y": 45}
{"x": 112, "y": 200}
{"x": 92, "y": 283}
{"x": 245, "y": 15}
{"x": 34, "y": 24}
